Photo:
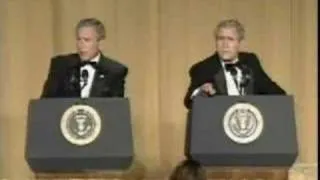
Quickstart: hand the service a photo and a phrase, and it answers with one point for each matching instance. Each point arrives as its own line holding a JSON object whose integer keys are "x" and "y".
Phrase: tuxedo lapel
{"x": 218, "y": 75}
{"x": 249, "y": 89}
{"x": 100, "y": 80}
{"x": 220, "y": 81}
{"x": 72, "y": 78}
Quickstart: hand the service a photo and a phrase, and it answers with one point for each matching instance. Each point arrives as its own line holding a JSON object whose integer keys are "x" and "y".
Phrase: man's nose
{"x": 225, "y": 45}
{"x": 80, "y": 42}
{"x": 81, "y": 45}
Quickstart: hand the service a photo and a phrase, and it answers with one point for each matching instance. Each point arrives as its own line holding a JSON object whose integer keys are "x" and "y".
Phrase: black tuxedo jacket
{"x": 64, "y": 77}
{"x": 210, "y": 70}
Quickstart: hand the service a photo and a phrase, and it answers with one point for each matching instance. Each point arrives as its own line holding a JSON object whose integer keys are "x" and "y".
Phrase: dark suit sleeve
{"x": 195, "y": 82}
{"x": 118, "y": 86}
{"x": 265, "y": 84}
{"x": 51, "y": 85}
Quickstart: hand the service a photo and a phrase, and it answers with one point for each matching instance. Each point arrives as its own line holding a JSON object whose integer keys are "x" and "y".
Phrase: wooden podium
{"x": 135, "y": 172}
{"x": 247, "y": 173}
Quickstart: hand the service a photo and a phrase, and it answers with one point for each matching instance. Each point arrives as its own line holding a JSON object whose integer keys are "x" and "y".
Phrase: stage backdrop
{"x": 158, "y": 40}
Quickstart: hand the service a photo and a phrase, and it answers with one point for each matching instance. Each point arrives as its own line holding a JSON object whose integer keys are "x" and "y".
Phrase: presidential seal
{"x": 80, "y": 124}
{"x": 243, "y": 123}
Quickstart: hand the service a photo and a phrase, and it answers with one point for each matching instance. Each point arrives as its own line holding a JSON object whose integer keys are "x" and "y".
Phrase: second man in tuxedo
{"x": 229, "y": 71}
{"x": 87, "y": 73}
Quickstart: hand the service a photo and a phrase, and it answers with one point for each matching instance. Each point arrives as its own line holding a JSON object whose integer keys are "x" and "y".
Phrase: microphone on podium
{"x": 84, "y": 78}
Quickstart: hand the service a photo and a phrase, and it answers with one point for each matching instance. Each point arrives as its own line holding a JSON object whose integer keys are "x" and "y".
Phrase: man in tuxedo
{"x": 87, "y": 73}
{"x": 229, "y": 71}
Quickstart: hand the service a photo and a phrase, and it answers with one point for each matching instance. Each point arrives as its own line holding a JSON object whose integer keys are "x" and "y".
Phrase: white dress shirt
{"x": 85, "y": 91}
{"x": 232, "y": 88}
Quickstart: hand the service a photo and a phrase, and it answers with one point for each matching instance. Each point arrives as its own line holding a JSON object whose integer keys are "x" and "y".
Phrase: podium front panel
{"x": 48, "y": 150}
{"x": 276, "y": 145}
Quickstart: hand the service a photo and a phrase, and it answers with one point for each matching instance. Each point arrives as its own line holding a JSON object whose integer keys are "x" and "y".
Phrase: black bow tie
{"x": 231, "y": 66}
{"x": 83, "y": 63}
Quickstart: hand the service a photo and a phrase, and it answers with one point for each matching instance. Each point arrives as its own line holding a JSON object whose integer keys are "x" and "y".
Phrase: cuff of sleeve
{"x": 195, "y": 92}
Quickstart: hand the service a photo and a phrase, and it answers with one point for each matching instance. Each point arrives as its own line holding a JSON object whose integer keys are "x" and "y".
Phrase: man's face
{"x": 87, "y": 43}
{"x": 227, "y": 43}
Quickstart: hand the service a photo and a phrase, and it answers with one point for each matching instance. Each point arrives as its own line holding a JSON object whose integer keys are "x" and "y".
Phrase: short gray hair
{"x": 231, "y": 23}
{"x": 93, "y": 22}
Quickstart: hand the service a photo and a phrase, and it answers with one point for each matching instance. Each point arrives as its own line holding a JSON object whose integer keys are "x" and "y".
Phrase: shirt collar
{"x": 96, "y": 58}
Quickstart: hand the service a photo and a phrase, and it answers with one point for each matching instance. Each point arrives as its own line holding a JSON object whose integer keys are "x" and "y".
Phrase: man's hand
{"x": 208, "y": 89}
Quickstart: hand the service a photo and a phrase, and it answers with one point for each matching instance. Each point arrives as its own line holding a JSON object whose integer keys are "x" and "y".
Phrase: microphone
{"x": 84, "y": 77}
